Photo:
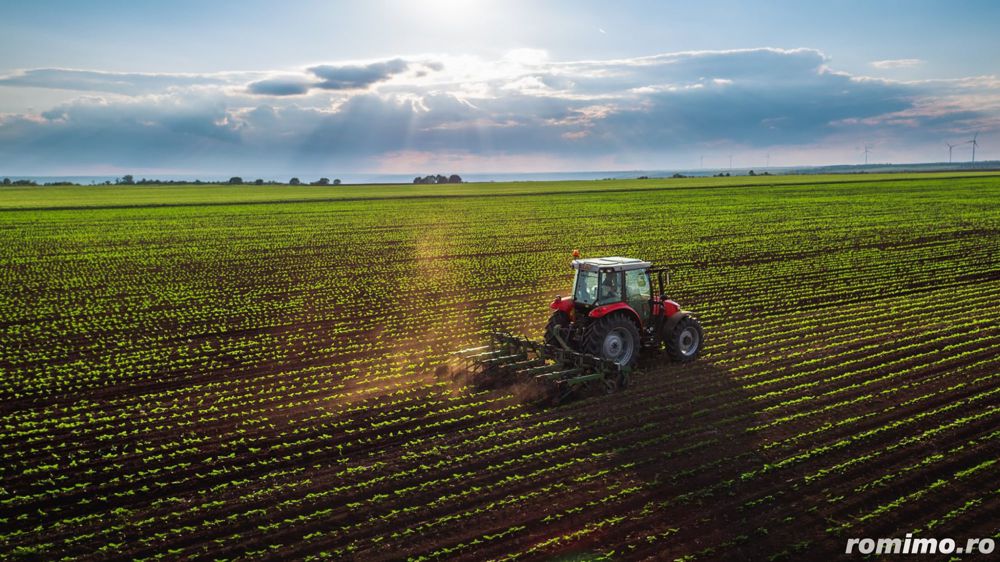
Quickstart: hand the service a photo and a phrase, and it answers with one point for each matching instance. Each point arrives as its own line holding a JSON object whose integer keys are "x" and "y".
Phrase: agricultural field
{"x": 265, "y": 373}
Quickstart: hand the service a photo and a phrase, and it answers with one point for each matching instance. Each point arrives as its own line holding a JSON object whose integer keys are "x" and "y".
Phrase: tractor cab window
{"x": 585, "y": 287}
{"x": 593, "y": 288}
{"x": 638, "y": 292}
{"x": 609, "y": 287}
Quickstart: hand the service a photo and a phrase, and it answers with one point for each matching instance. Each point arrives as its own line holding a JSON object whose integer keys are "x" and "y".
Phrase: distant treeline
{"x": 235, "y": 180}
{"x": 8, "y": 181}
{"x": 130, "y": 180}
{"x": 454, "y": 178}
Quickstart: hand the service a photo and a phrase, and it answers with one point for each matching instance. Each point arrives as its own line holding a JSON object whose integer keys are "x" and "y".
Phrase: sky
{"x": 267, "y": 88}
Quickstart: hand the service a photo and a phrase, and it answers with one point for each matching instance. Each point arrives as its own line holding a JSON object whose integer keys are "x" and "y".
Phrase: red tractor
{"x": 595, "y": 336}
{"x": 614, "y": 313}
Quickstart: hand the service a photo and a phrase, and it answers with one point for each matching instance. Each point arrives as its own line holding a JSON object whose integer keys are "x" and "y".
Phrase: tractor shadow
{"x": 672, "y": 449}
{"x": 675, "y": 434}
{"x": 681, "y": 412}
{"x": 691, "y": 411}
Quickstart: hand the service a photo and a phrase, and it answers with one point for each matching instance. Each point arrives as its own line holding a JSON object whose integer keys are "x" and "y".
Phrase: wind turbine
{"x": 868, "y": 149}
{"x": 974, "y": 144}
{"x": 950, "y": 146}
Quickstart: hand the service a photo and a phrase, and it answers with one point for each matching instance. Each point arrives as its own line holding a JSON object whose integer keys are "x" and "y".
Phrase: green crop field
{"x": 243, "y": 372}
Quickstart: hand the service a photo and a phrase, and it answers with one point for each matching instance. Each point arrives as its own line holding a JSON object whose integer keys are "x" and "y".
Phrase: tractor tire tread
{"x": 599, "y": 329}
{"x": 672, "y": 341}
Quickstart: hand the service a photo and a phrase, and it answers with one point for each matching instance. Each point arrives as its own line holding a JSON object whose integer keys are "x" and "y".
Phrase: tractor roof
{"x": 610, "y": 264}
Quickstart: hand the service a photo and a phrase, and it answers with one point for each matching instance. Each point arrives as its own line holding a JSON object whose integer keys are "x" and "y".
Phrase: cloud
{"x": 342, "y": 77}
{"x": 326, "y": 76}
{"x": 654, "y": 111}
{"x": 291, "y": 86}
{"x": 351, "y": 77}
{"x": 95, "y": 131}
{"x": 896, "y": 63}
{"x": 128, "y": 83}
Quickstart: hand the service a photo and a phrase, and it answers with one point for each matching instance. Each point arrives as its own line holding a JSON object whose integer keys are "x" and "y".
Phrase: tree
{"x": 127, "y": 180}
{"x": 6, "y": 181}
{"x": 752, "y": 174}
{"x": 454, "y": 178}
{"x": 322, "y": 181}
{"x": 294, "y": 181}
{"x": 235, "y": 180}
{"x": 258, "y": 181}
{"x": 336, "y": 181}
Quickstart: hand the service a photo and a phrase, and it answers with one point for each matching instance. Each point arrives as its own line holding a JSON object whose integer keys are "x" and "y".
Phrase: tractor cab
{"x": 601, "y": 282}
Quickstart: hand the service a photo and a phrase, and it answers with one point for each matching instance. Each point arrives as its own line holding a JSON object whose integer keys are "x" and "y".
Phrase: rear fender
{"x": 602, "y": 311}
{"x": 564, "y": 304}
{"x": 672, "y": 321}
{"x": 666, "y": 308}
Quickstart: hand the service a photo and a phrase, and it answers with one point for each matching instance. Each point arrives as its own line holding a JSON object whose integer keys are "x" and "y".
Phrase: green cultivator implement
{"x": 559, "y": 370}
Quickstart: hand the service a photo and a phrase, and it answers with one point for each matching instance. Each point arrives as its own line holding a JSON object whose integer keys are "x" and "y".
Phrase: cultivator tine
{"x": 471, "y": 357}
{"x": 557, "y": 367}
{"x": 540, "y": 370}
{"x": 526, "y": 364}
{"x": 472, "y": 351}
{"x": 504, "y": 360}
{"x": 558, "y": 375}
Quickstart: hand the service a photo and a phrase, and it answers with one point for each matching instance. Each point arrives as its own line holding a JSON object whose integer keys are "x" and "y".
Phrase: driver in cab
{"x": 610, "y": 292}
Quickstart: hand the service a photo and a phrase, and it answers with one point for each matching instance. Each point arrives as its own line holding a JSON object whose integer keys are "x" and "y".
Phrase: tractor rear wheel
{"x": 558, "y": 323}
{"x": 615, "y": 338}
{"x": 684, "y": 342}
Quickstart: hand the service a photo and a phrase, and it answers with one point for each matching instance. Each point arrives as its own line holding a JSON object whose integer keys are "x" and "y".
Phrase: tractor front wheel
{"x": 684, "y": 342}
{"x": 615, "y": 338}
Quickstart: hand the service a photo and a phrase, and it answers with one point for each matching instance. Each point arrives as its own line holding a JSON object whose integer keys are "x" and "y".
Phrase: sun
{"x": 452, "y": 11}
